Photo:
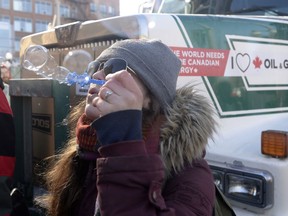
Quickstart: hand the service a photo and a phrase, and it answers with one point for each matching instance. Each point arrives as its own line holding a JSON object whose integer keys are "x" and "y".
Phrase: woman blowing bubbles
{"x": 139, "y": 143}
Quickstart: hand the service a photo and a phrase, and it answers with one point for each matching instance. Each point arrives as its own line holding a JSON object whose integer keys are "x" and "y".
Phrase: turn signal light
{"x": 274, "y": 143}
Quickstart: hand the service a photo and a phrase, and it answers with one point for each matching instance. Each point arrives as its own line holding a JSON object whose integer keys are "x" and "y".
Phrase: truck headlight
{"x": 218, "y": 179}
{"x": 245, "y": 186}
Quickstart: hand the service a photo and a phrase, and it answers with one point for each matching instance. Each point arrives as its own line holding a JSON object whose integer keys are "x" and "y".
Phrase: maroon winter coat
{"x": 164, "y": 174}
{"x": 7, "y": 154}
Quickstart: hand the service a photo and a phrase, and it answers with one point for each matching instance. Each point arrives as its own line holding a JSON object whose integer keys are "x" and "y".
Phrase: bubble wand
{"x": 38, "y": 60}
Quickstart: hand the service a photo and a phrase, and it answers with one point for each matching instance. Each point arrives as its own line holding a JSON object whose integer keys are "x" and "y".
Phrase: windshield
{"x": 172, "y": 6}
{"x": 239, "y": 7}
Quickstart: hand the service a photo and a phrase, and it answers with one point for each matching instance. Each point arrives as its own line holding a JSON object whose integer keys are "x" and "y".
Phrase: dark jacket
{"x": 159, "y": 172}
{"x": 7, "y": 154}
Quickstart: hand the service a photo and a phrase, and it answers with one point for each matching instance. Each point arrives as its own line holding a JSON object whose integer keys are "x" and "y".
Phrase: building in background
{"x": 19, "y": 18}
{"x": 5, "y": 38}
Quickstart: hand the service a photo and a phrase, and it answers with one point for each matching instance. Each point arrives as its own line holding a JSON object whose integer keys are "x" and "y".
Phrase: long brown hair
{"x": 62, "y": 178}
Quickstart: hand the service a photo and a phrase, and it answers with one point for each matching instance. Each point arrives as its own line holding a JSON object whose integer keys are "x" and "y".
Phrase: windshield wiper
{"x": 263, "y": 8}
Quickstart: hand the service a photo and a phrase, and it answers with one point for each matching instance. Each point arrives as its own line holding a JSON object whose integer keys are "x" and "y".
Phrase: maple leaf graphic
{"x": 257, "y": 62}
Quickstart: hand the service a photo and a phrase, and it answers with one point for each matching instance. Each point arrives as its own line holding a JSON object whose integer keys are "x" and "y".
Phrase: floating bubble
{"x": 35, "y": 58}
{"x": 60, "y": 73}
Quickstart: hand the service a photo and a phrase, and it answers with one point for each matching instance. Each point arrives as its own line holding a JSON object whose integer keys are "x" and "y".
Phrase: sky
{"x": 128, "y": 7}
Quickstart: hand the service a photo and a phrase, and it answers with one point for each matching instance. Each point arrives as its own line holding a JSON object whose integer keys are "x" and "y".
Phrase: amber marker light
{"x": 274, "y": 143}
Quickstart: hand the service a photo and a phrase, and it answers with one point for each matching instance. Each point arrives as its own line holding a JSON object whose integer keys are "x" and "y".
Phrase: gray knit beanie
{"x": 153, "y": 62}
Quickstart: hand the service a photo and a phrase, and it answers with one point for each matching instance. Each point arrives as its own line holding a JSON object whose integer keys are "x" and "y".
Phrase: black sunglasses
{"x": 111, "y": 66}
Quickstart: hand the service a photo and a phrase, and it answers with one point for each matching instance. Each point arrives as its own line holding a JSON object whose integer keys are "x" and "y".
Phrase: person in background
{"x": 139, "y": 144}
{"x": 7, "y": 153}
{"x": 5, "y": 77}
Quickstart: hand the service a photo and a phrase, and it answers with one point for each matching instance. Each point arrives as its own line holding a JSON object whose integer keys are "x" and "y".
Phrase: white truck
{"x": 239, "y": 61}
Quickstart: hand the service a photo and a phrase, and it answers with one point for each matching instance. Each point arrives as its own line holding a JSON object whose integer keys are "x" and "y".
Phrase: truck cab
{"x": 223, "y": 7}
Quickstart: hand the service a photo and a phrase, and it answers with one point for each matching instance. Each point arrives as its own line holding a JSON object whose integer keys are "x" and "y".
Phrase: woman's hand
{"x": 122, "y": 91}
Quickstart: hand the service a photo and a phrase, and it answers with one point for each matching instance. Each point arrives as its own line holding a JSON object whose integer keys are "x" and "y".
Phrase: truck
{"x": 235, "y": 51}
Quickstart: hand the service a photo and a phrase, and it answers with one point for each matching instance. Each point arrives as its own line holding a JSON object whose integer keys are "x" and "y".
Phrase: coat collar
{"x": 189, "y": 124}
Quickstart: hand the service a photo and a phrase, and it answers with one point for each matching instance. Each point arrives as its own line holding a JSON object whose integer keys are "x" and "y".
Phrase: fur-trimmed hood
{"x": 190, "y": 123}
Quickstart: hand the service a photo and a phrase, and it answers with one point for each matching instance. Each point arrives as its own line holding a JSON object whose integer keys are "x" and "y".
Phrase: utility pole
{"x": 57, "y": 12}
